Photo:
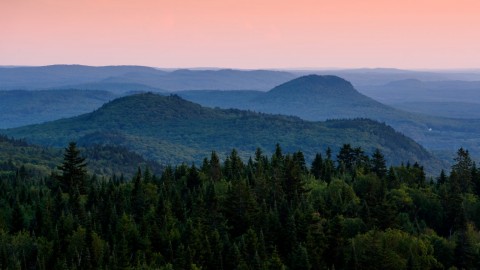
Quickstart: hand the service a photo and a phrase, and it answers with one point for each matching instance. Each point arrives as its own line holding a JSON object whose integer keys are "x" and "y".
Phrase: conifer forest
{"x": 345, "y": 210}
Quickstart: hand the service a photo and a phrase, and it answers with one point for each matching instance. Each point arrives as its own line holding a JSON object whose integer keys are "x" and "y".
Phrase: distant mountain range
{"x": 310, "y": 97}
{"x": 44, "y": 77}
{"x": 462, "y": 110}
{"x": 414, "y": 90}
{"x": 454, "y": 98}
{"x": 171, "y": 130}
{"x": 120, "y": 79}
{"x": 363, "y": 77}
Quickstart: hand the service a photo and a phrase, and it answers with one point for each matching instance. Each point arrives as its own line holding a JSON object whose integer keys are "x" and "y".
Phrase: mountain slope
{"x": 317, "y": 98}
{"x": 171, "y": 130}
{"x": 311, "y": 97}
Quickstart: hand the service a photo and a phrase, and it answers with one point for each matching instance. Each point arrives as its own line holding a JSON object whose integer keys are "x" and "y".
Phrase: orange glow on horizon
{"x": 242, "y": 33}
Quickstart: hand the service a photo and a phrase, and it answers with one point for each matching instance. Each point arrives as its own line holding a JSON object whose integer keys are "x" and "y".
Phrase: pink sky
{"x": 242, "y": 33}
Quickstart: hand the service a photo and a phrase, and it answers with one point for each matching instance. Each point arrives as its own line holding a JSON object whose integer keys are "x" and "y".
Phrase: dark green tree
{"x": 73, "y": 169}
{"x": 193, "y": 178}
{"x": 215, "y": 168}
{"x": 317, "y": 166}
{"x": 17, "y": 218}
{"x": 442, "y": 179}
{"x": 476, "y": 179}
{"x": 463, "y": 169}
{"x": 378, "y": 164}
{"x": 329, "y": 168}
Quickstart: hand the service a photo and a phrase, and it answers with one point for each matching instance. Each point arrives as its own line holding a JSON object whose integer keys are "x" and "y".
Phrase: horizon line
{"x": 252, "y": 69}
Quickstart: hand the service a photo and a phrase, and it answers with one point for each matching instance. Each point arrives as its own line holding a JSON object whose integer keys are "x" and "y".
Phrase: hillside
{"x": 171, "y": 130}
{"x": 134, "y": 78}
{"x": 19, "y": 107}
{"x": 317, "y": 98}
{"x": 310, "y": 97}
{"x": 314, "y": 97}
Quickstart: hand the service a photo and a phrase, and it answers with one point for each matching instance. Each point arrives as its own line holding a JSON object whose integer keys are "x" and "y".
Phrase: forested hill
{"x": 311, "y": 97}
{"x": 171, "y": 130}
{"x": 327, "y": 85}
{"x": 316, "y": 98}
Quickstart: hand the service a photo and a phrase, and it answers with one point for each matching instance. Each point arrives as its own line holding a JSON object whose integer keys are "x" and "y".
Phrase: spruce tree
{"x": 317, "y": 166}
{"x": 463, "y": 169}
{"x": 73, "y": 169}
{"x": 378, "y": 164}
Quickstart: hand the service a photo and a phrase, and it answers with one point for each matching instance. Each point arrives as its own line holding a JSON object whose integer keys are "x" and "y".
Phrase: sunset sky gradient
{"x": 414, "y": 34}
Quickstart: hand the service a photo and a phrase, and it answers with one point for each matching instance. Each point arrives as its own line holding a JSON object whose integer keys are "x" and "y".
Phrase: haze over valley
{"x": 439, "y": 114}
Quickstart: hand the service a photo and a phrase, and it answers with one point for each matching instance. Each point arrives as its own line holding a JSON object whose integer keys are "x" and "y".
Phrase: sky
{"x": 249, "y": 34}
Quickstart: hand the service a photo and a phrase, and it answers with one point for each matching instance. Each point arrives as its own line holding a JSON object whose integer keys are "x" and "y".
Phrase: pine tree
{"x": 73, "y": 170}
{"x": 299, "y": 258}
{"x": 317, "y": 166}
{"x": 329, "y": 168}
{"x": 215, "y": 168}
{"x": 293, "y": 184}
{"x": 17, "y": 218}
{"x": 345, "y": 158}
{"x": 378, "y": 164}
{"x": 138, "y": 197}
{"x": 463, "y": 169}
{"x": 193, "y": 178}
{"x": 442, "y": 179}
{"x": 476, "y": 179}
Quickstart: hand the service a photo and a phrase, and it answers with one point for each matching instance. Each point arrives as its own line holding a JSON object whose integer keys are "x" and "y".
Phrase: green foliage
{"x": 268, "y": 213}
{"x": 390, "y": 249}
{"x": 73, "y": 170}
{"x": 170, "y": 130}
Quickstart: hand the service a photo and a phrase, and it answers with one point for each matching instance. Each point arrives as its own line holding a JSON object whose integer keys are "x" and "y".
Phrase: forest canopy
{"x": 345, "y": 210}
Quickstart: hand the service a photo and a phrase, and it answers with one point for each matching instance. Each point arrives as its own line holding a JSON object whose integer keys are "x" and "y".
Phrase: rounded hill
{"x": 314, "y": 85}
